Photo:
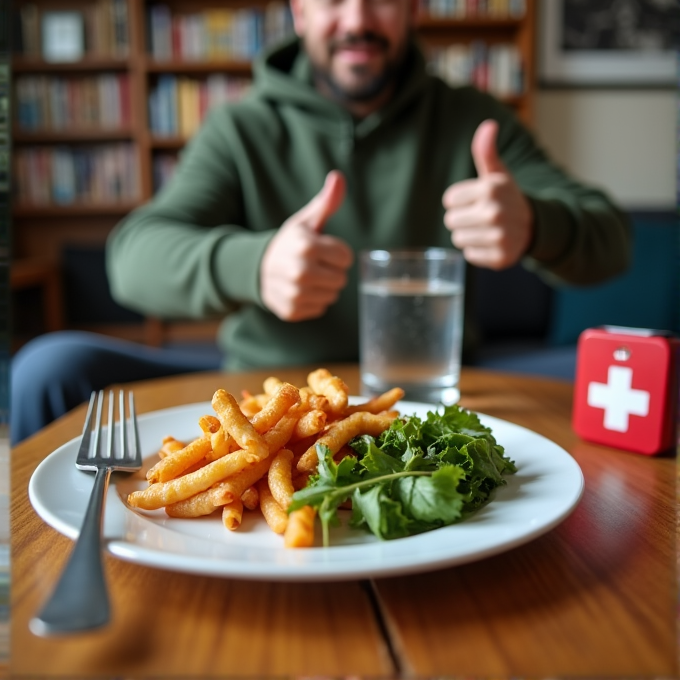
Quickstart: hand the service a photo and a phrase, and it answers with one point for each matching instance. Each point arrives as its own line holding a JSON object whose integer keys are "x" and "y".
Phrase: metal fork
{"x": 80, "y": 600}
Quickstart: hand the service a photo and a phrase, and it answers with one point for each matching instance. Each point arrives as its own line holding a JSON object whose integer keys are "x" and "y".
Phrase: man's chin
{"x": 359, "y": 93}
{"x": 359, "y": 89}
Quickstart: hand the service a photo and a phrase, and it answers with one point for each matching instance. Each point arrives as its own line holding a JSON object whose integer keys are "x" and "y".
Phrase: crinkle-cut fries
{"x": 255, "y": 453}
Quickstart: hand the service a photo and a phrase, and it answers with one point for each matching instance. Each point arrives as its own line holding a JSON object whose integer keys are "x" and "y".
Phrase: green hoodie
{"x": 195, "y": 249}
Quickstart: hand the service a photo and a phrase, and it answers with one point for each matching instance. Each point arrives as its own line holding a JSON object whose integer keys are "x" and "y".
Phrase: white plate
{"x": 546, "y": 488}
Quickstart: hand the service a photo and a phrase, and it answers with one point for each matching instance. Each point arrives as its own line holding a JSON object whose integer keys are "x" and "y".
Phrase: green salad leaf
{"x": 416, "y": 476}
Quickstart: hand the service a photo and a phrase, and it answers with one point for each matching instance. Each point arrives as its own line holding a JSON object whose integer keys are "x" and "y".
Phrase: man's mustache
{"x": 368, "y": 38}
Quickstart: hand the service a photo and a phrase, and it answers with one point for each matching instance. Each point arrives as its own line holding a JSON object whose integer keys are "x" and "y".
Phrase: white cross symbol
{"x": 618, "y": 399}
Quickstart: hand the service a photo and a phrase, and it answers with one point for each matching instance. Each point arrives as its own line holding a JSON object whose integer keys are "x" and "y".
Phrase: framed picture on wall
{"x": 616, "y": 43}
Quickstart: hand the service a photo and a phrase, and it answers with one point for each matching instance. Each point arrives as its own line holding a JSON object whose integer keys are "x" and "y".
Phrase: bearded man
{"x": 343, "y": 143}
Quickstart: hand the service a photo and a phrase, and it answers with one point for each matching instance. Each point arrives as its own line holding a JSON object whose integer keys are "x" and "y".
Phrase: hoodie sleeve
{"x": 184, "y": 254}
{"x": 580, "y": 236}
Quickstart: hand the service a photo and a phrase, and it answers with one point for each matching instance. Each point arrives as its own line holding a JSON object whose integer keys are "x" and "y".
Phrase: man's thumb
{"x": 327, "y": 201}
{"x": 484, "y": 152}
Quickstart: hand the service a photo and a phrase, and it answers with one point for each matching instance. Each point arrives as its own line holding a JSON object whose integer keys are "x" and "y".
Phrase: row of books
{"x": 493, "y": 68}
{"x": 467, "y": 9}
{"x": 99, "y": 29}
{"x": 53, "y": 103}
{"x": 177, "y": 106}
{"x": 216, "y": 33}
{"x": 163, "y": 168}
{"x": 83, "y": 175}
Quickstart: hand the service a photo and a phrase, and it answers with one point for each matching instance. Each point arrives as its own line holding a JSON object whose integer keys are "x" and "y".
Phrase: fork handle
{"x": 80, "y": 600}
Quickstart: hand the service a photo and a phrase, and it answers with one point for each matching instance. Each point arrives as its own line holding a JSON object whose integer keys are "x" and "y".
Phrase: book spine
{"x": 30, "y": 30}
{"x": 63, "y": 175}
{"x": 125, "y": 100}
{"x": 176, "y": 37}
{"x": 203, "y": 101}
{"x": 161, "y": 32}
{"x": 122, "y": 31}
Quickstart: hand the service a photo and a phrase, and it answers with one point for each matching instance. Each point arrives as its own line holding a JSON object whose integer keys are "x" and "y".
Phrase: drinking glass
{"x": 411, "y": 322}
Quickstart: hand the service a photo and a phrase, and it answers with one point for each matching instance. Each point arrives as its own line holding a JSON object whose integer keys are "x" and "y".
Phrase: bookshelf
{"x": 139, "y": 54}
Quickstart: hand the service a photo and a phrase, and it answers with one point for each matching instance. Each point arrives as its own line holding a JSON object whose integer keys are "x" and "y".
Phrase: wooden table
{"x": 594, "y": 597}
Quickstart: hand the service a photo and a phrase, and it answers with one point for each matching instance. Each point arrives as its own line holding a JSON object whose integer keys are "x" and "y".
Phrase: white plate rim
{"x": 135, "y": 536}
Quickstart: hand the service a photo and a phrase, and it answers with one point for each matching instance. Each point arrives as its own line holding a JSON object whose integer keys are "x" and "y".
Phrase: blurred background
{"x": 105, "y": 93}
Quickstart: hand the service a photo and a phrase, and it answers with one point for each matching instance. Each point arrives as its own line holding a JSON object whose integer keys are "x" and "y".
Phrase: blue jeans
{"x": 57, "y": 371}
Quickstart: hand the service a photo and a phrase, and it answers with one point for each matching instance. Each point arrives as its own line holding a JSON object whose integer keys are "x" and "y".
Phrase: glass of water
{"x": 411, "y": 322}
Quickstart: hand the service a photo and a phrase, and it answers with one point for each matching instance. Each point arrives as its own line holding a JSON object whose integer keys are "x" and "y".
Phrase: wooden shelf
{"x": 229, "y": 66}
{"x": 26, "y": 65}
{"x": 74, "y": 210}
{"x": 172, "y": 143}
{"x": 63, "y": 136}
{"x": 453, "y": 24}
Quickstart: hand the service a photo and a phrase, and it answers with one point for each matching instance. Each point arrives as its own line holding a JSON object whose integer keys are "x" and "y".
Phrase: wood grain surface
{"x": 594, "y": 597}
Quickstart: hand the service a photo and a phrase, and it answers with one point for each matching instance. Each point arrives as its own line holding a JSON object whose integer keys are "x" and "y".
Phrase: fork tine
{"x": 135, "y": 429}
{"x": 87, "y": 427}
{"x": 98, "y": 424}
{"x": 111, "y": 427}
{"x": 124, "y": 444}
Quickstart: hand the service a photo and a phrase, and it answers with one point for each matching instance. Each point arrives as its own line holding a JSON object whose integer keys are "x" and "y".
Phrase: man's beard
{"x": 370, "y": 87}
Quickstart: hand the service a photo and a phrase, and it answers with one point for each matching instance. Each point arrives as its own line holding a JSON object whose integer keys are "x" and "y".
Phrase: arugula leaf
{"x": 382, "y": 514}
{"x": 418, "y": 475}
{"x": 433, "y": 499}
{"x": 377, "y": 462}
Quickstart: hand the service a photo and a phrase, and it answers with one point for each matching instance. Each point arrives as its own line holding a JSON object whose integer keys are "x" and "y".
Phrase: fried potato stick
{"x": 310, "y": 423}
{"x": 383, "y": 402}
{"x": 250, "y": 498}
{"x": 279, "y": 478}
{"x": 236, "y": 485}
{"x": 197, "y": 506}
{"x": 331, "y": 386}
{"x": 300, "y": 529}
{"x": 232, "y": 514}
{"x": 196, "y": 466}
{"x": 249, "y": 406}
{"x": 175, "y": 463}
{"x": 342, "y": 432}
{"x": 238, "y": 426}
{"x": 170, "y": 446}
{"x": 209, "y": 424}
{"x": 276, "y": 516}
{"x": 314, "y": 402}
{"x": 285, "y": 397}
{"x": 165, "y": 493}
{"x": 221, "y": 443}
{"x": 300, "y": 479}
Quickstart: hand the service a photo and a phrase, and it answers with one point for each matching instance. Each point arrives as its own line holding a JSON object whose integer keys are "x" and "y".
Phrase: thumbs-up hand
{"x": 304, "y": 270}
{"x": 489, "y": 217}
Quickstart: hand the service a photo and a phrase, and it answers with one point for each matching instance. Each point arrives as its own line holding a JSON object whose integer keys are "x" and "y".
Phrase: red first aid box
{"x": 626, "y": 391}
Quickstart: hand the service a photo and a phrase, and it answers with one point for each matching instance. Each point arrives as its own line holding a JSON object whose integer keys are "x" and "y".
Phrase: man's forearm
{"x": 158, "y": 265}
{"x": 581, "y": 244}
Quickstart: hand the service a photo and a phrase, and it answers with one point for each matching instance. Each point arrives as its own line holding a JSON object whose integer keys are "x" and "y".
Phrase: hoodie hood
{"x": 284, "y": 75}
